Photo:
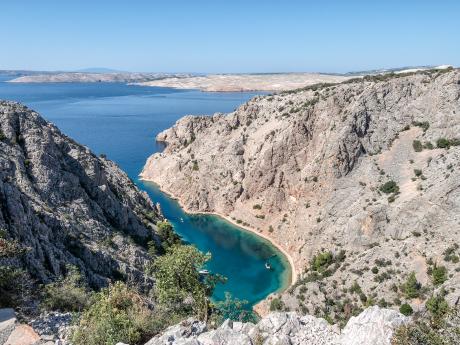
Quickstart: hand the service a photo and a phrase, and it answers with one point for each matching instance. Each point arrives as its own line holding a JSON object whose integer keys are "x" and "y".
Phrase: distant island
{"x": 236, "y": 82}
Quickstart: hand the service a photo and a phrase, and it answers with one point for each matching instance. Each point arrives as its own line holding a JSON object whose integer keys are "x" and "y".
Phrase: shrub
{"x": 2, "y": 135}
{"x": 428, "y": 145}
{"x": 423, "y": 125}
{"x": 443, "y": 143}
{"x": 257, "y": 207}
{"x": 66, "y": 294}
{"x": 15, "y": 284}
{"x": 195, "y": 166}
{"x": 437, "y": 306}
{"x": 167, "y": 235}
{"x": 117, "y": 314}
{"x": 276, "y": 304}
{"x": 417, "y": 172}
{"x": 417, "y": 145}
{"x": 439, "y": 275}
{"x": 178, "y": 283}
{"x": 233, "y": 309}
{"x": 321, "y": 261}
{"x": 411, "y": 288}
{"x": 389, "y": 187}
{"x": 406, "y": 309}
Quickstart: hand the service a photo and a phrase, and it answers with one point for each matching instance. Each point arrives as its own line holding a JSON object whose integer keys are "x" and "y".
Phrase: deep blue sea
{"x": 122, "y": 121}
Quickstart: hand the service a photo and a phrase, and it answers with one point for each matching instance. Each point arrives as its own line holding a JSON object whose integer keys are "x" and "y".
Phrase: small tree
{"x": 66, "y": 294}
{"x": 412, "y": 287}
{"x": 437, "y": 306}
{"x": 443, "y": 143}
{"x": 167, "y": 235}
{"x": 406, "y": 309}
{"x": 389, "y": 187}
{"x": 417, "y": 145}
{"x": 276, "y": 304}
{"x": 234, "y": 309}
{"x": 178, "y": 282}
{"x": 321, "y": 261}
{"x": 117, "y": 314}
{"x": 439, "y": 275}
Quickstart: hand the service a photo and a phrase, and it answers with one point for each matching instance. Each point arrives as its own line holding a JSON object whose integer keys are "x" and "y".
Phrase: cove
{"x": 121, "y": 122}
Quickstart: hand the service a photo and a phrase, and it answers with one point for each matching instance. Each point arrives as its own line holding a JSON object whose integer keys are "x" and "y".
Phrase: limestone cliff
{"x": 68, "y": 206}
{"x": 368, "y": 166}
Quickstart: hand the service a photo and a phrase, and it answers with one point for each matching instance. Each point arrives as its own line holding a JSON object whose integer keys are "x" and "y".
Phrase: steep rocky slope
{"x": 313, "y": 170}
{"x": 68, "y": 206}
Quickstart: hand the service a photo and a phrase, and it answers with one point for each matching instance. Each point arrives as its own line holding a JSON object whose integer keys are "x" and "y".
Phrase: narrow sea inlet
{"x": 121, "y": 122}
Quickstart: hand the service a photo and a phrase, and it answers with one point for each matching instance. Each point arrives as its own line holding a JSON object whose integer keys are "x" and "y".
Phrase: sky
{"x": 233, "y": 36}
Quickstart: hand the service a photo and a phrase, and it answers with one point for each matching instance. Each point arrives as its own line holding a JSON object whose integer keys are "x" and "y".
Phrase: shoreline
{"x": 293, "y": 277}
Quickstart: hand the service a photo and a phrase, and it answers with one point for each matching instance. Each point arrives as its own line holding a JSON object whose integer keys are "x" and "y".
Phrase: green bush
{"x": 417, "y": 145}
{"x": 411, "y": 288}
{"x": 444, "y": 143}
{"x": 276, "y": 304}
{"x": 437, "y": 306}
{"x": 423, "y": 125}
{"x": 321, "y": 261}
{"x": 417, "y": 172}
{"x": 233, "y": 309}
{"x": 406, "y": 309}
{"x": 389, "y": 187}
{"x": 66, "y": 294}
{"x": 167, "y": 235}
{"x": 15, "y": 284}
{"x": 178, "y": 282}
{"x": 117, "y": 314}
{"x": 439, "y": 275}
{"x": 257, "y": 207}
{"x": 2, "y": 135}
{"x": 195, "y": 166}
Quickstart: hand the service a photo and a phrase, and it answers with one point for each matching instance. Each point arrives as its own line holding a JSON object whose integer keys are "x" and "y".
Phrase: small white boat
{"x": 181, "y": 219}
{"x": 268, "y": 266}
{"x": 203, "y": 272}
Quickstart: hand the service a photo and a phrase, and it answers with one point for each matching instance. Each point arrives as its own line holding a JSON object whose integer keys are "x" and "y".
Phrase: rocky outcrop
{"x": 373, "y": 326}
{"x": 308, "y": 168}
{"x": 67, "y": 206}
{"x": 48, "y": 329}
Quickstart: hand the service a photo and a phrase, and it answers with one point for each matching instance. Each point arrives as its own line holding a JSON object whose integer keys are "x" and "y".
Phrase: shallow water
{"x": 122, "y": 121}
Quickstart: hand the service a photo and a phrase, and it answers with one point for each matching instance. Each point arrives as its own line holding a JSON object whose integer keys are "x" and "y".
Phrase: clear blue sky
{"x": 228, "y": 36}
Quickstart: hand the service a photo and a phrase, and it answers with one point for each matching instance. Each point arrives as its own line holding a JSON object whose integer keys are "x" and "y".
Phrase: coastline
{"x": 289, "y": 259}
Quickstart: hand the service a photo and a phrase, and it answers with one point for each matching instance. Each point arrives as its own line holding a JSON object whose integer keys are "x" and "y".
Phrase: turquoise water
{"x": 122, "y": 121}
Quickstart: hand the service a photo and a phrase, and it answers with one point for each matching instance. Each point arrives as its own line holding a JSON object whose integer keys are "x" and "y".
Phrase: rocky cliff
{"x": 367, "y": 170}
{"x": 67, "y": 206}
{"x": 373, "y": 326}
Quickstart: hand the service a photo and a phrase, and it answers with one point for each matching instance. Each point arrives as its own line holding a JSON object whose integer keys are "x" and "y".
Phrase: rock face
{"x": 48, "y": 329}
{"x": 68, "y": 206}
{"x": 374, "y": 326}
{"x": 308, "y": 168}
